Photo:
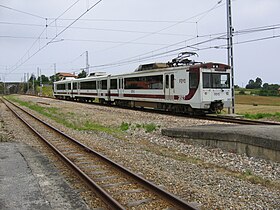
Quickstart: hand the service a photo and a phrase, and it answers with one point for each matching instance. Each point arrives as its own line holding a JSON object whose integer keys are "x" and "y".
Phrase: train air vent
{"x": 151, "y": 66}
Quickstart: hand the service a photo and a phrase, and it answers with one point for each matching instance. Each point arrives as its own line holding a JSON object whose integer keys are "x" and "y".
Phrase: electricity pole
{"x": 33, "y": 87}
{"x": 40, "y": 82}
{"x": 230, "y": 53}
{"x": 38, "y": 73}
{"x": 54, "y": 77}
{"x": 4, "y": 86}
{"x": 24, "y": 82}
{"x": 27, "y": 82}
{"x": 87, "y": 63}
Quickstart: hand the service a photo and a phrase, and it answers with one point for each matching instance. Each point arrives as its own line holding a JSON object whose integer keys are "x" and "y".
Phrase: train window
{"x": 166, "y": 81}
{"x": 75, "y": 86}
{"x": 207, "y": 80}
{"x": 113, "y": 84}
{"x": 149, "y": 82}
{"x": 91, "y": 85}
{"x": 60, "y": 87}
{"x": 172, "y": 80}
{"x": 155, "y": 82}
{"x": 104, "y": 84}
{"x": 193, "y": 80}
{"x": 225, "y": 81}
{"x": 215, "y": 80}
{"x": 69, "y": 86}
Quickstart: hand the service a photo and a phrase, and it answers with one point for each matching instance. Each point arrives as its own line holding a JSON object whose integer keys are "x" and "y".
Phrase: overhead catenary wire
{"x": 92, "y": 28}
{"x": 241, "y": 32}
{"x": 214, "y": 45}
{"x": 26, "y": 13}
{"x": 136, "y": 58}
{"x": 140, "y": 59}
{"x": 39, "y": 37}
{"x": 220, "y": 35}
{"x": 165, "y": 28}
{"x": 20, "y": 62}
{"x": 249, "y": 30}
{"x": 41, "y": 48}
{"x": 126, "y": 20}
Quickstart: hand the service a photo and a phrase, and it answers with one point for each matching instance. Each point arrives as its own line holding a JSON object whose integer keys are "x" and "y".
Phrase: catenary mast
{"x": 230, "y": 52}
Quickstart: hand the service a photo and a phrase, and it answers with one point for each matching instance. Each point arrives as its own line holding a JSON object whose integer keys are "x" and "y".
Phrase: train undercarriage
{"x": 215, "y": 107}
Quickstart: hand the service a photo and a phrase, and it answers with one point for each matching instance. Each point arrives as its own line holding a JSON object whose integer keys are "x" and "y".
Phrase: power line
{"x": 126, "y": 20}
{"x": 19, "y": 63}
{"x": 136, "y": 58}
{"x": 155, "y": 32}
{"x": 26, "y": 13}
{"x": 91, "y": 28}
{"x": 243, "y": 31}
{"x": 139, "y": 59}
{"x": 30, "y": 56}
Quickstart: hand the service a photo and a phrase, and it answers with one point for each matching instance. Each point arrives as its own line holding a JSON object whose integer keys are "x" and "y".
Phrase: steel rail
{"x": 237, "y": 120}
{"x": 206, "y": 117}
{"x": 176, "y": 201}
{"x": 93, "y": 185}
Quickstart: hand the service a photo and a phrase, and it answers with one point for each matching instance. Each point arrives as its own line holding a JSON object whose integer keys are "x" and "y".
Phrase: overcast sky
{"x": 122, "y": 34}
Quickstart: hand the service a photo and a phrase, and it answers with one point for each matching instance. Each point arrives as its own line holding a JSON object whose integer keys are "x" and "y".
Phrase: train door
{"x": 98, "y": 88}
{"x": 78, "y": 88}
{"x": 121, "y": 87}
{"x": 71, "y": 91}
{"x": 169, "y": 86}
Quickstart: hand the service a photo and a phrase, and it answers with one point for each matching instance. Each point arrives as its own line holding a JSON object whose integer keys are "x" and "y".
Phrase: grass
{"x": 55, "y": 114}
{"x": 46, "y": 90}
{"x": 275, "y": 116}
{"x": 124, "y": 126}
{"x": 150, "y": 127}
{"x": 258, "y": 107}
{"x": 259, "y": 100}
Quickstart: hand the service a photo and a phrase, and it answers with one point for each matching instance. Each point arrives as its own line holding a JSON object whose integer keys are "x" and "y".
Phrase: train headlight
{"x": 206, "y": 106}
{"x": 227, "y": 93}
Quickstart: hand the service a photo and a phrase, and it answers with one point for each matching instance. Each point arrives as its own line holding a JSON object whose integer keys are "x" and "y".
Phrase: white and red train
{"x": 186, "y": 87}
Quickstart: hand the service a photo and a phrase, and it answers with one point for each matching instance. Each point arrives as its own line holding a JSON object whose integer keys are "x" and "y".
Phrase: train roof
{"x": 153, "y": 69}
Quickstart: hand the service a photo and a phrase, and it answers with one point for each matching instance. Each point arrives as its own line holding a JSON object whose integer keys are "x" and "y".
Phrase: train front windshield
{"x": 216, "y": 80}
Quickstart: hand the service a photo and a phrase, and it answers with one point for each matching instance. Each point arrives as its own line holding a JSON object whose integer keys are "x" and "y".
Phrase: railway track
{"x": 117, "y": 186}
{"x": 218, "y": 118}
{"x": 237, "y": 120}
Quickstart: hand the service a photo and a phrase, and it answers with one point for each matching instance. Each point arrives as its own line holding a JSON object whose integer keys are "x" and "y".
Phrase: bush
{"x": 125, "y": 126}
{"x": 242, "y": 92}
{"x": 150, "y": 127}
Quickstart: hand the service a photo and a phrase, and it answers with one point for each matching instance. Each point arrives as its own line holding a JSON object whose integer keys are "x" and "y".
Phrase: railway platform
{"x": 254, "y": 140}
{"x": 29, "y": 181}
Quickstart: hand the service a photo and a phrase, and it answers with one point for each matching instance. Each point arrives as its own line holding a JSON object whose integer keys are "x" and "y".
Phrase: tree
{"x": 83, "y": 74}
{"x": 269, "y": 90}
{"x": 31, "y": 78}
{"x": 44, "y": 79}
{"x": 265, "y": 86}
{"x": 258, "y": 82}
{"x": 251, "y": 84}
{"x": 52, "y": 78}
{"x": 254, "y": 84}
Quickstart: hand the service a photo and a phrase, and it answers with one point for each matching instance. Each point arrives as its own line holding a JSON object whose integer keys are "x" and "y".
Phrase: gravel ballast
{"x": 210, "y": 177}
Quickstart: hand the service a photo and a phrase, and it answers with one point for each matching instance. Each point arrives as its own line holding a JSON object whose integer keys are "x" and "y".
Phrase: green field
{"x": 46, "y": 91}
{"x": 257, "y": 100}
{"x": 258, "y": 107}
